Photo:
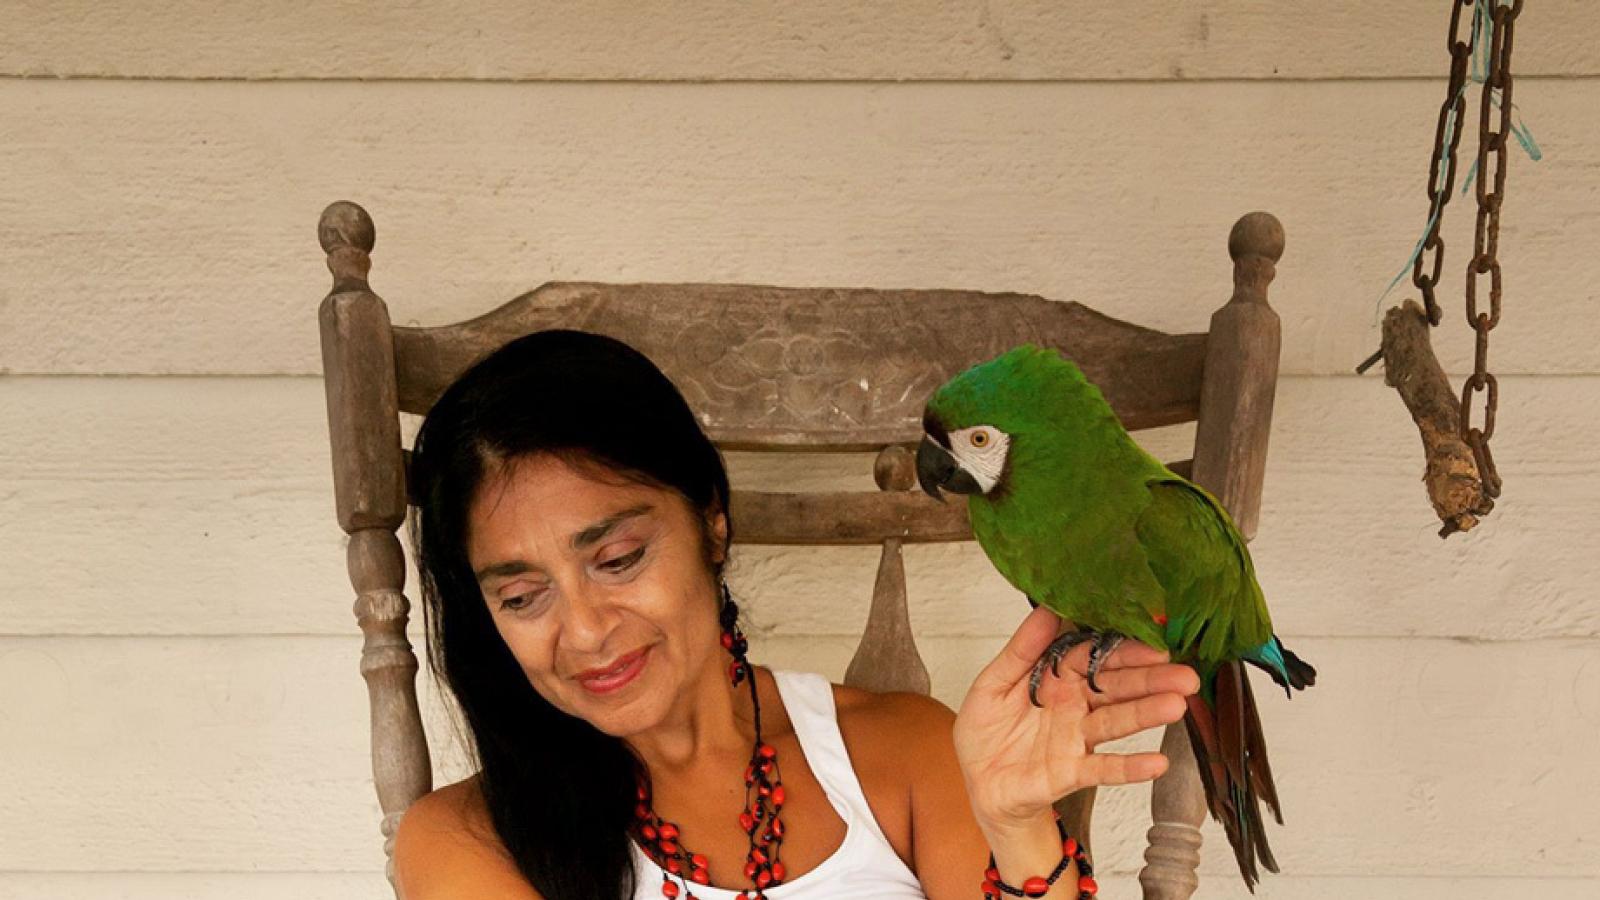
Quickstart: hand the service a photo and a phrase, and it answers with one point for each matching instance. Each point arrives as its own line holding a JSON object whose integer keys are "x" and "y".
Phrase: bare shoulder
{"x": 896, "y": 715}
{"x": 879, "y": 730}
{"x": 445, "y": 848}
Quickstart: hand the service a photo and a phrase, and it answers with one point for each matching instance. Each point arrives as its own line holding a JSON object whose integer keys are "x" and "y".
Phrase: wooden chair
{"x": 793, "y": 369}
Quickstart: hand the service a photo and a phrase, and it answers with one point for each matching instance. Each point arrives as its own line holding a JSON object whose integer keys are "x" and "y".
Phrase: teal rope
{"x": 1483, "y": 22}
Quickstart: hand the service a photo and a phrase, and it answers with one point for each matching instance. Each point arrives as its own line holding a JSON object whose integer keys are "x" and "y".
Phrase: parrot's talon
{"x": 1051, "y": 659}
{"x": 1104, "y": 643}
{"x": 1033, "y": 683}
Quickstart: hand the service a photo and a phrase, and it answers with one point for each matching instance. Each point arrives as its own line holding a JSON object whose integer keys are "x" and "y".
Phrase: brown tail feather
{"x": 1256, "y": 744}
{"x": 1232, "y": 757}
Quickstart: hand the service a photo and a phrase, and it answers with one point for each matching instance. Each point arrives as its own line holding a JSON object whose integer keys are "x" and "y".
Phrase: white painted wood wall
{"x": 180, "y": 711}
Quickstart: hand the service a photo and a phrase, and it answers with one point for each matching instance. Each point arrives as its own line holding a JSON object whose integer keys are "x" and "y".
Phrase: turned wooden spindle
{"x": 1230, "y": 455}
{"x": 1241, "y": 376}
{"x": 887, "y": 657}
{"x": 369, "y": 489}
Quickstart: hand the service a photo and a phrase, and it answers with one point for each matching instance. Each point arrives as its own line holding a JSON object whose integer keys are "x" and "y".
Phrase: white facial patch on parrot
{"x": 981, "y": 451}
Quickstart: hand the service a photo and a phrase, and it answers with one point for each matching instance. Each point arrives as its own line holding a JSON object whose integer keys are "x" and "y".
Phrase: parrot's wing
{"x": 1215, "y": 610}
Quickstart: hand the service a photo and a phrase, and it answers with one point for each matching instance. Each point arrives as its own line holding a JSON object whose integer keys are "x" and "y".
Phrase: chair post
{"x": 358, "y": 366}
{"x": 1230, "y": 457}
{"x": 887, "y": 657}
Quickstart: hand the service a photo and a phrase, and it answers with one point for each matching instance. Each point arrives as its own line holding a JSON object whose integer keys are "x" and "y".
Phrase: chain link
{"x": 1492, "y": 146}
{"x": 1442, "y": 165}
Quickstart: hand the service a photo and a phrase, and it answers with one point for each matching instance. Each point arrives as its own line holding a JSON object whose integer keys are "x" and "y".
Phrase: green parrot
{"x": 1081, "y": 519}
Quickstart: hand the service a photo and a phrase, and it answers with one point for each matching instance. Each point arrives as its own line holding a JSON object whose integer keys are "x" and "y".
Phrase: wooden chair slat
{"x": 852, "y": 517}
{"x": 819, "y": 368}
{"x": 887, "y": 657}
{"x": 847, "y": 517}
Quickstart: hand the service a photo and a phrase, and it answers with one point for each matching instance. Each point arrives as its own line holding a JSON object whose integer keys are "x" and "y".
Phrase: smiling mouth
{"x": 612, "y": 678}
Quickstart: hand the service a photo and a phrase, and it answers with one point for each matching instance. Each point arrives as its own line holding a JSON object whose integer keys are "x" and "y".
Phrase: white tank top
{"x": 865, "y": 867}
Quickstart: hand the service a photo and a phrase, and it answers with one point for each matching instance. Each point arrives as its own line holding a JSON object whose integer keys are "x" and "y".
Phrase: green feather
{"x": 1084, "y": 521}
{"x": 1060, "y": 526}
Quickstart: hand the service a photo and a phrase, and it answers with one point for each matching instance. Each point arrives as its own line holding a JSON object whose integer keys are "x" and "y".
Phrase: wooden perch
{"x": 1454, "y": 484}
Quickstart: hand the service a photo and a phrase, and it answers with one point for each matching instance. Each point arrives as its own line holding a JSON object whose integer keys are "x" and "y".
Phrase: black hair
{"x": 560, "y": 792}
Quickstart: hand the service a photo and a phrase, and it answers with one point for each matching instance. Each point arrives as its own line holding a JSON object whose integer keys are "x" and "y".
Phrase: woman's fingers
{"x": 1134, "y": 653}
{"x": 1119, "y": 685}
{"x": 1119, "y": 768}
{"x": 1118, "y": 720}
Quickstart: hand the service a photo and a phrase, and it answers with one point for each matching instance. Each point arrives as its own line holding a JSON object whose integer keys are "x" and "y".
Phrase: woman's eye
{"x": 521, "y": 600}
{"x": 623, "y": 562}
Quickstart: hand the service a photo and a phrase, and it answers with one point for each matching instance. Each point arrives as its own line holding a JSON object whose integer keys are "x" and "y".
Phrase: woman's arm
{"x": 444, "y": 849}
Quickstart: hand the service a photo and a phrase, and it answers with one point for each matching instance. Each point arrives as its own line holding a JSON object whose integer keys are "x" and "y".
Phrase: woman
{"x": 571, "y": 535}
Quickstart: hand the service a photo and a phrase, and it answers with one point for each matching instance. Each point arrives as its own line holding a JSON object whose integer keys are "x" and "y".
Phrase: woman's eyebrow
{"x": 603, "y": 527}
{"x": 582, "y": 539}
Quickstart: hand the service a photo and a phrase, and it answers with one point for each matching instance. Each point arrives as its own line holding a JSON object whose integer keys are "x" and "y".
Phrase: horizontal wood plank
{"x": 167, "y": 228}
{"x": 206, "y": 754}
{"x": 816, "y": 383}
{"x": 734, "y": 41}
{"x": 205, "y": 506}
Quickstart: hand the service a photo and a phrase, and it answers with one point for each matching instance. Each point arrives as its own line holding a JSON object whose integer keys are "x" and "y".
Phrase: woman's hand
{"x": 1018, "y": 759}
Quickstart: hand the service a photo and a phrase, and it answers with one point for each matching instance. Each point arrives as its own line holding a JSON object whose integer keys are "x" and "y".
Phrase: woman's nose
{"x": 588, "y": 619}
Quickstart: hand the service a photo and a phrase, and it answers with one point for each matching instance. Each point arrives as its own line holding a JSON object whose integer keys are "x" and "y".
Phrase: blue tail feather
{"x": 1287, "y": 669}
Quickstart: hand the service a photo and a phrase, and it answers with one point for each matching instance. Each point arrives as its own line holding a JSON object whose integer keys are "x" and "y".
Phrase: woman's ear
{"x": 719, "y": 534}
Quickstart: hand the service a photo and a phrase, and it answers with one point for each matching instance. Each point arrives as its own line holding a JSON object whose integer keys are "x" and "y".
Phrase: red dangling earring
{"x": 733, "y": 639}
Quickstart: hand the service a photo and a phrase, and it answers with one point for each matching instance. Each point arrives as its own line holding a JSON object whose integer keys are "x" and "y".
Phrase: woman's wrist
{"x": 1025, "y": 850}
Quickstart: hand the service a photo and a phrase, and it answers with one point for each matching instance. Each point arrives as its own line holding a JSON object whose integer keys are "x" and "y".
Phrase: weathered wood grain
{"x": 108, "y": 486}
{"x": 185, "y": 206}
{"x": 1456, "y": 487}
{"x": 733, "y": 40}
{"x": 359, "y": 361}
{"x": 833, "y": 369}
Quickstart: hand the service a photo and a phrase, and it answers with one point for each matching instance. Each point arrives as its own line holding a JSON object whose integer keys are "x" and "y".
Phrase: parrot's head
{"x": 974, "y": 422}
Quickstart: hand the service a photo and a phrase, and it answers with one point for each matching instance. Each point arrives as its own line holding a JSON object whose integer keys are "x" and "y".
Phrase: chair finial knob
{"x": 895, "y": 469}
{"x": 345, "y": 224}
{"x": 1256, "y": 234}
{"x": 347, "y": 236}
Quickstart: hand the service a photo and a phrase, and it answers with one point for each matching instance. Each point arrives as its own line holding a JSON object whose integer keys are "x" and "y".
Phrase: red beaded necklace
{"x": 758, "y": 817}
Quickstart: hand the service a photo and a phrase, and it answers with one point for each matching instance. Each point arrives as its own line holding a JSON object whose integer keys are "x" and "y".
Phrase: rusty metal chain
{"x": 1486, "y": 240}
{"x": 1442, "y": 165}
{"x": 1490, "y": 190}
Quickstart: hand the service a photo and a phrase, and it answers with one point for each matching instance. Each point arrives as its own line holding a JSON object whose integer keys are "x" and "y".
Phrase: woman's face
{"x": 599, "y": 587}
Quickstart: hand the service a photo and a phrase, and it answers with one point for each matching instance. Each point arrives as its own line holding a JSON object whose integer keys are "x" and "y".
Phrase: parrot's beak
{"x": 936, "y": 469}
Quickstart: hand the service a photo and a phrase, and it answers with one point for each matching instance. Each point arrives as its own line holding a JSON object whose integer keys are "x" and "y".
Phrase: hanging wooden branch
{"x": 1455, "y": 487}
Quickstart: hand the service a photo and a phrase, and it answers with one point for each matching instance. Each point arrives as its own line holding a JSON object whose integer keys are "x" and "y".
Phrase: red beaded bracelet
{"x": 1039, "y": 885}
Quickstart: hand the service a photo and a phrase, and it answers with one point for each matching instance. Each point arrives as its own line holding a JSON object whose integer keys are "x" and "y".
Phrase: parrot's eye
{"x": 980, "y": 439}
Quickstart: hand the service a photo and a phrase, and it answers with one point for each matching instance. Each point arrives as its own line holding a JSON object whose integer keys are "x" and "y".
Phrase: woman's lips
{"x": 616, "y": 676}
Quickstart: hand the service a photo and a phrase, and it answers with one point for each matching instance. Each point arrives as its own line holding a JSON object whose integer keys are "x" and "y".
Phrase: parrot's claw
{"x": 1051, "y": 659}
{"x": 1104, "y": 643}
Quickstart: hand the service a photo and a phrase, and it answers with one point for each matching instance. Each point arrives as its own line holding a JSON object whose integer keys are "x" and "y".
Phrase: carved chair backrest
{"x": 792, "y": 369}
